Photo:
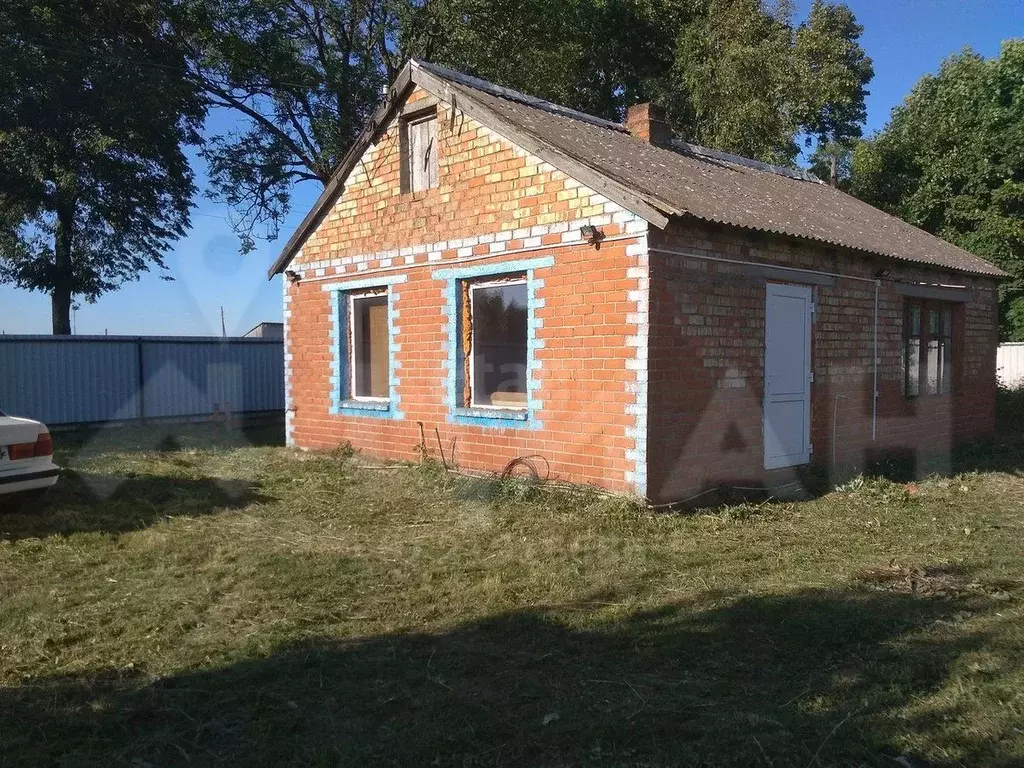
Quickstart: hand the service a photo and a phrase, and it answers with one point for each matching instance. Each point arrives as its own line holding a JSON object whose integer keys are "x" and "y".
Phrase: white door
{"x": 787, "y": 376}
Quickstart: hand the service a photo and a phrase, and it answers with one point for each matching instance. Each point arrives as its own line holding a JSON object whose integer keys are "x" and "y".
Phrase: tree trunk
{"x": 833, "y": 178}
{"x": 60, "y": 305}
{"x": 60, "y": 296}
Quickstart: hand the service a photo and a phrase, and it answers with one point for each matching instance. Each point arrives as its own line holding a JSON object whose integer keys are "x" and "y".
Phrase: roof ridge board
{"x": 528, "y": 140}
{"x": 532, "y": 101}
{"x": 512, "y": 95}
{"x": 717, "y": 154}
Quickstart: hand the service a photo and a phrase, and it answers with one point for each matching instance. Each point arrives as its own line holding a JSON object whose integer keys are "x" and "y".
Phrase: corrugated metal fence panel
{"x": 62, "y": 381}
{"x": 185, "y": 378}
{"x": 81, "y": 379}
{"x": 1010, "y": 364}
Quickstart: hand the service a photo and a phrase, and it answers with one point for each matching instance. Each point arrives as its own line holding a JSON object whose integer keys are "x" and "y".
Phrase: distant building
{"x": 265, "y": 331}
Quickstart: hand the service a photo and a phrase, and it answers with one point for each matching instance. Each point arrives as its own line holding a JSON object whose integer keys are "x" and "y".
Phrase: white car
{"x": 27, "y": 470}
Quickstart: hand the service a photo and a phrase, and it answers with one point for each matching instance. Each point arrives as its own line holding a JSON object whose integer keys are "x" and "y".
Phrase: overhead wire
{"x": 85, "y": 52}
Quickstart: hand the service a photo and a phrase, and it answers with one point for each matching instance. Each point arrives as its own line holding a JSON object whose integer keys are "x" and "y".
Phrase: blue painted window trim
{"x": 494, "y": 418}
{"x": 341, "y": 402}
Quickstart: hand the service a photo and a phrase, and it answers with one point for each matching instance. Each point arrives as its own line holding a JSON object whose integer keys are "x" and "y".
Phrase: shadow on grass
{"x": 166, "y": 437}
{"x": 1003, "y": 453}
{"x": 813, "y": 678}
{"x": 88, "y": 503}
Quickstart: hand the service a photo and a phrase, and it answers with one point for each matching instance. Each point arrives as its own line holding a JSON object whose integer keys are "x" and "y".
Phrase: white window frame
{"x": 472, "y": 343}
{"x": 353, "y": 297}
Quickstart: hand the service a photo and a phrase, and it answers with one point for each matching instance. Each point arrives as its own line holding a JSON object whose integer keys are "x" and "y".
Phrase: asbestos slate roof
{"x": 715, "y": 186}
{"x": 678, "y": 180}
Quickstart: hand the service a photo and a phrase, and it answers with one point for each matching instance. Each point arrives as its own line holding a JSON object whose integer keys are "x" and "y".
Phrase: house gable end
{"x": 488, "y": 189}
{"x": 414, "y": 90}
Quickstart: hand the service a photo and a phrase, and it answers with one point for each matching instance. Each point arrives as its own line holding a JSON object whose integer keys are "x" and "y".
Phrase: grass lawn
{"x": 213, "y": 599}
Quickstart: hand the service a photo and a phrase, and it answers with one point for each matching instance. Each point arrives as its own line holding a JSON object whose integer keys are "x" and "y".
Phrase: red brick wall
{"x": 485, "y": 185}
{"x": 698, "y": 423}
{"x": 492, "y": 198}
{"x": 707, "y": 357}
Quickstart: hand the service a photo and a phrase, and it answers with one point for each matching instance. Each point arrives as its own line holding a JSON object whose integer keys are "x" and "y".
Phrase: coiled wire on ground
{"x": 529, "y": 462}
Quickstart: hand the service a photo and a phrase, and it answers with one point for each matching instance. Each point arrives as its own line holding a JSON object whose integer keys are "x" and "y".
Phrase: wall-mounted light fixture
{"x": 591, "y": 234}
{"x": 882, "y": 273}
{"x": 292, "y": 275}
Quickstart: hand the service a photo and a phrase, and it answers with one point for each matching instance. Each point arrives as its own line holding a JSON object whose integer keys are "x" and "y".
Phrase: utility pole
{"x": 223, "y": 329}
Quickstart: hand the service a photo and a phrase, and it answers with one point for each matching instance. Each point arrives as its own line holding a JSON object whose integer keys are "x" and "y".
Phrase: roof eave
{"x": 993, "y": 271}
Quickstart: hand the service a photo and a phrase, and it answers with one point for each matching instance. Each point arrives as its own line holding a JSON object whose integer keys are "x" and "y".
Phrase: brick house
{"x": 650, "y": 316}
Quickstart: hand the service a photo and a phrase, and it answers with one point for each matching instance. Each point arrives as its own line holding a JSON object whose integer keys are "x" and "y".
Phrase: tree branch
{"x": 296, "y": 123}
{"x": 228, "y": 100}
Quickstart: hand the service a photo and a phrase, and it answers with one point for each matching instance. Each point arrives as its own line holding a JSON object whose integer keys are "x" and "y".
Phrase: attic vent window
{"x": 419, "y": 152}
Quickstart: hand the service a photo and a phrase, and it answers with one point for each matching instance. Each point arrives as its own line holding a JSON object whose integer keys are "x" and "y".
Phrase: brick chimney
{"x": 649, "y": 122}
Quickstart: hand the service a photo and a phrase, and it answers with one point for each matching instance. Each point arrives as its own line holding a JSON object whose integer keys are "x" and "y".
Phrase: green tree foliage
{"x": 597, "y": 56}
{"x": 832, "y": 161}
{"x": 831, "y": 75}
{"x": 951, "y": 160}
{"x": 746, "y": 80}
{"x": 304, "y": 74}
{"x": 732, "y": 81}
{"x": 95, "y": 108}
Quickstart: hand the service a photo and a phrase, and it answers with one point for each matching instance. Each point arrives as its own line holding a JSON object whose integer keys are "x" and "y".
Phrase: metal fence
{"x": 89, "y": 379}
{"x": 1010, "y": 364}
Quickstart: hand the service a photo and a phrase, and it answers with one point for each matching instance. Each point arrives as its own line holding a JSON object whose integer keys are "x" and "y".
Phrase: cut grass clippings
{"x": 203, "y": 601}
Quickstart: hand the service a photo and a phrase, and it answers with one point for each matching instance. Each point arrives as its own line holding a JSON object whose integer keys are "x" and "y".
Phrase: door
{"x": 787, "y": 375}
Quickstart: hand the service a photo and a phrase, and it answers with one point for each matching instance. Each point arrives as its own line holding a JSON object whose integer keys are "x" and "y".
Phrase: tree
{"x": 95, "y": 108}
{"x": 303, "y": 75}
{"x": 951, "y": 160}
{"x": 832, "y": 74}
{"x": 596, "y": 56}
{"x": 732, "y": 78}
{"x": 746, "y": 80}
{"x": 833, "y": 162}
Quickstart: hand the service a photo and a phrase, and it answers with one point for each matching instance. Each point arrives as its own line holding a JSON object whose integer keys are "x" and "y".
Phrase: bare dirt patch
{"x": 928, "y": 581}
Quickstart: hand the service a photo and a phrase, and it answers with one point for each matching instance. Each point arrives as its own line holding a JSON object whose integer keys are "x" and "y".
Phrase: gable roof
{"x": 657, "y": 182}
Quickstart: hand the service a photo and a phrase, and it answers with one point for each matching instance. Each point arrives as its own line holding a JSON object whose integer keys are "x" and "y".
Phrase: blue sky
{"x": 905, "y": 38}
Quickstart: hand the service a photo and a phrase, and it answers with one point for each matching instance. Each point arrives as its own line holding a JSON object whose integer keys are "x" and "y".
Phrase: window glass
{"x": 932, "y": 370}
{"x": 927, "y": 348}
{"x": 912, "y": 365}
{"x": 914, "y": 324}
{"x": 945, "y": 346}
{"x": 498, "y": 345}
{"x": 369, "y": 346}
{"x": 945, "y": 367}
